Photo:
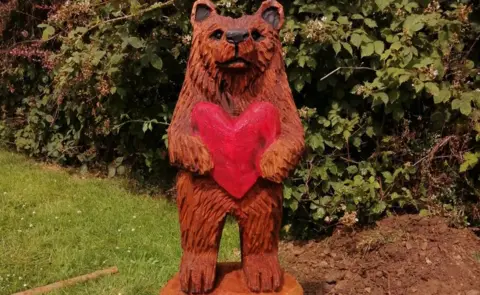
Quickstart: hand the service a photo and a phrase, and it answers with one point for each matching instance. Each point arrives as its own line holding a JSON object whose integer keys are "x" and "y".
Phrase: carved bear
{"x": 233, "y": 63}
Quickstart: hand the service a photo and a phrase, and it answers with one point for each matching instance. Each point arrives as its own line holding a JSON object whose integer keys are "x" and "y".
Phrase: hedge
{"x": 388, "y": 90}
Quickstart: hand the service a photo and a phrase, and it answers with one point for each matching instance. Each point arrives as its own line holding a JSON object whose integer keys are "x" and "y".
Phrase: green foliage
{"x": 388, "y": 91}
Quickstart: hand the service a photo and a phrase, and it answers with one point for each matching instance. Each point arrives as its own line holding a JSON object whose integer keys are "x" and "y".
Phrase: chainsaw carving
{"x": 236, "y": 135}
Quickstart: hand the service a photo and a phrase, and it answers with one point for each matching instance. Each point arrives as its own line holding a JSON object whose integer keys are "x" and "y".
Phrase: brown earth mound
{"x": 401, "y": 255}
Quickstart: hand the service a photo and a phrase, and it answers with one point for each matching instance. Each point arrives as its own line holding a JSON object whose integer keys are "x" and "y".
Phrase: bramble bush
{"x": 388, "y": 90}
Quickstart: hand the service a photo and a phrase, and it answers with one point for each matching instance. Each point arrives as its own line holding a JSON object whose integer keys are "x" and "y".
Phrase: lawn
{"x": 55, "y": 226}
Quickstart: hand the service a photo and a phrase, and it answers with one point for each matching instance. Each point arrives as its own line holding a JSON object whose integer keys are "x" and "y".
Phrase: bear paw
{"x": 197, "y": 272}
{"x": 263, "y": 273}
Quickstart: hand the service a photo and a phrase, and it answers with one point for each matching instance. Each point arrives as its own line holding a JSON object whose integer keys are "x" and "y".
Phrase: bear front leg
{"x": 202, "y": 210}
{"x": 260, "y": 229}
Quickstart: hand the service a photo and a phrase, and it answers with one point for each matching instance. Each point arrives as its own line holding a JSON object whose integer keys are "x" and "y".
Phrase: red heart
{"x": 236, "y": 144}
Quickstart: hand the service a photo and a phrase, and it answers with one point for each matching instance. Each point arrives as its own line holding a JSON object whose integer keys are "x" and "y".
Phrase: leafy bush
{"x": 388, "y": 91}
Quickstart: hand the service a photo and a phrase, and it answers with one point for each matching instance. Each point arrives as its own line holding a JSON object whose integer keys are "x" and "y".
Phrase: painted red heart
{"x": 236, "y": 144}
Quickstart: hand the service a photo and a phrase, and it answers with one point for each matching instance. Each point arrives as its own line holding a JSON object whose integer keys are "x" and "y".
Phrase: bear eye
{"x": 217, "y": 34}
{"x": 256, "y": 35}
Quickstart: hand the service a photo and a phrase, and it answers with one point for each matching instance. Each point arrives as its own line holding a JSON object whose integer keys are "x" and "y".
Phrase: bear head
{"x": 233, "y": 53}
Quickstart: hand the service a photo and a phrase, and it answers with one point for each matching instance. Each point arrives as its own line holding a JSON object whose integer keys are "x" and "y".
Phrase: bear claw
{"x": 197, "y": 273}
{"x": 263, "y": 273}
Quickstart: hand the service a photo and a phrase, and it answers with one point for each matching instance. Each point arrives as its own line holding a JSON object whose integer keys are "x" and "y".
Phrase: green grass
{"x": 55, "y": 226}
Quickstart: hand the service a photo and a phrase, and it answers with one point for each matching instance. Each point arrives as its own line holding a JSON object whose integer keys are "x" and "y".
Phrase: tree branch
{"x": 139, "y": 13}
{"x": 140, "y": 121}
{"x": 69, "y": 282}
{"x": 473, "y": 45}
{"x": 345, "y": 68}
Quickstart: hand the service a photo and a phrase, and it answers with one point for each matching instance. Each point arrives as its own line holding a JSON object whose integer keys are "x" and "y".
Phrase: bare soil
{"x": 400, "y": 255}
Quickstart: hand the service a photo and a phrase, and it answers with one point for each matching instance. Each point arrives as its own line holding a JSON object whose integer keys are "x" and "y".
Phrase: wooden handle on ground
{"x": 69, "y": 282}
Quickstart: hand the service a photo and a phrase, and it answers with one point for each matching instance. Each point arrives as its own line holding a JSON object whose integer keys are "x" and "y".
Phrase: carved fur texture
{"x": 233, "y": 63}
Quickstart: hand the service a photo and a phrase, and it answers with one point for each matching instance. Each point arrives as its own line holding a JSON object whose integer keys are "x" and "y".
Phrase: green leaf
{"x": 319, "y": 214}
{"x": 398, "y": 113}
{"x": 311, "y": 63}
{"x": 299, "y": 84}
{"x": 357, "y": 16}
{"x": 357, "y": 142}
{"x": 443, "y": 96}
{"x": 49, "y": 118}
{"x": 393, "y": 95}
{"x": 112, "y": 170}
{"x": 337, "y": 47}
{"x": 156, "y": 62}
{"x": 413, "y": 23}
{"x": 356, "y": 40}
{"x": 348, "y": 48}
{"x": 367, "y": 50}
{"x": 370, "y": 132}
{"x": 316, "y": 141}
{"x": 302, "y": 59}
{"x": 466, "y": 108}
{"x": 294, "y": 206}
{"x": 396, "y": 46}
{"x": 379, "y": 208}
{"x": 456, "y": 104}
{"x": 379, "y": 47}
{"x": 432, "y": 88}
{"x": 47, "y": 32}
{"x": 469, "y": 64}
{"x": 417, "y": 27}
{"x": 287, "y": 193}
{"x": 118, "y": 161}
{"x": 388, "y": 177}
{"x": 116, "y": 58}
{"x": 419, "y": 86}
{"x": 352, "y": 170}
{"x": 97, "y": 57}
{"x": 121, "y": 170}
{"x": 370, "y": 23}
{"x": 403, "y": 79}
{"x": 469, "y": 96}
{"x": 113, "y": 70}
{"x": 424, "y": 213}
{"x": 381, "y": 96}
{"x": 464, "y": 105}
{"x": 382, "y": 4}
{"x": 82, "y": 30}
{"x": 470, "y": 161}
{"x": 99, "y": 54}
{"x": 343, "y": 20}
{"x": 136, "y": 42}
{"x": 358, "y": 180}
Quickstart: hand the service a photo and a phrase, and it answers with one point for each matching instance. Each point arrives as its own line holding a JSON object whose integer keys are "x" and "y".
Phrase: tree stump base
{"x": 231, "y": 281}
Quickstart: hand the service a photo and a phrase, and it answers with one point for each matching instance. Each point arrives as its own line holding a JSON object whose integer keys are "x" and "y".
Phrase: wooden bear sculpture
{"x": 236, "y": 135}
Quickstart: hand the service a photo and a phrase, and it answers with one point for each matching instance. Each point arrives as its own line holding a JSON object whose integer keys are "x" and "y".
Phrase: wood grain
{"x": 233, "y": 76}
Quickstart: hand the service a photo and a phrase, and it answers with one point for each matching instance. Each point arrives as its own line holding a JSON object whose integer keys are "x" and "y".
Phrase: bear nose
{"x": 237, "y": 36}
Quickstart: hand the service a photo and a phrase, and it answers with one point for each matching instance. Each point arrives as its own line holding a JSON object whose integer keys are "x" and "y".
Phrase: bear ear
{"x": 202, "y": 9}
{"x": 272, "y": 12}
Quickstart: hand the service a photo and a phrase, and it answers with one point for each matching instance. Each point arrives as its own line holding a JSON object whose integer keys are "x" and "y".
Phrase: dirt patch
{"x": 401, "y": 255}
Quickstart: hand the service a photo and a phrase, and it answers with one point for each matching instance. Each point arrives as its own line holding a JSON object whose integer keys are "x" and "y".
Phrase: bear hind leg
{"x": 260, "y": 230}
{"x": 202, "y": 210}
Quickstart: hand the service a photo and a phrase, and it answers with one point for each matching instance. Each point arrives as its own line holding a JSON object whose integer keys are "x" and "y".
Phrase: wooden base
{"x": 231, "y": 281}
